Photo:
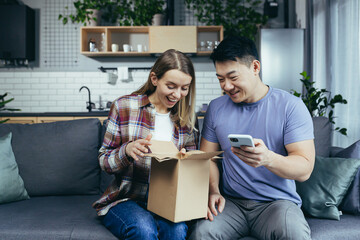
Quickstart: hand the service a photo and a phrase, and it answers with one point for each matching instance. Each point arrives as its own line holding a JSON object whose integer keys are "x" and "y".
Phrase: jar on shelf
{"x": 209, "y": 46}
{"x": 92, "y": 45}
{"x": 103, "y": 43}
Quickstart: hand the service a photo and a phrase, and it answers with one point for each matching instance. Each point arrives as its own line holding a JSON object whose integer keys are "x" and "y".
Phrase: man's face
{"x": 238, "y": 80}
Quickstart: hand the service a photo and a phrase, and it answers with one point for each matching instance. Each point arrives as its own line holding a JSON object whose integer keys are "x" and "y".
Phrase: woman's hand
{"x": 138, "y": 148}
{"x": 183, "y": 151}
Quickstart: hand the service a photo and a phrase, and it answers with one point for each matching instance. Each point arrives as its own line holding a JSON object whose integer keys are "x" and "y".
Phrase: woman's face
{"x": 170, "y": 89}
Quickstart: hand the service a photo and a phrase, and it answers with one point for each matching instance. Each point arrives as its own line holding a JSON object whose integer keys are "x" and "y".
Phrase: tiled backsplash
{"x": 59, "y": 91}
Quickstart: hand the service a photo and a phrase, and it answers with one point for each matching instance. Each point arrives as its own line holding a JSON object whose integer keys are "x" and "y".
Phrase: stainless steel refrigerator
{"x": 282, "y": 57}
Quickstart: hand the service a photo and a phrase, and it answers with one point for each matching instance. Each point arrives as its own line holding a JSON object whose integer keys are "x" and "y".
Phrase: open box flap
{"x": 199, "y": 155}
{"x": 163, "y": 147}
{"x": 164, "y": 156}
{"x": 164, "y": 150}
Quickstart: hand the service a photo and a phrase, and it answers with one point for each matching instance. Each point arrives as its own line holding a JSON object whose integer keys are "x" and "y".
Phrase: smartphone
{"x": 237, "y": 140}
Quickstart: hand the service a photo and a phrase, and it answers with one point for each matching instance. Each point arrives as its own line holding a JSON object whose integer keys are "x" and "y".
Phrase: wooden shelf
{"x": 154, "y": 39}
{"x": 115, "y": 54}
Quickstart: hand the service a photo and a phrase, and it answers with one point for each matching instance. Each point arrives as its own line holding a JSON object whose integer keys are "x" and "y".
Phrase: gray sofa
{"x": 58, "y": 164}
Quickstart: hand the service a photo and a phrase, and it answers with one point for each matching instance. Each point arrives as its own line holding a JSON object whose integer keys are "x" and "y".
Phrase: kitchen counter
{"x": 43, "y": 117}
{"x": 54, "y": 114}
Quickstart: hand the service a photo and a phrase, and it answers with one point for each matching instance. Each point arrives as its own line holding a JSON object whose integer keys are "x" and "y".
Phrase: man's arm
{"x": 298, "y": 165}
{"x": 215, "y": 198}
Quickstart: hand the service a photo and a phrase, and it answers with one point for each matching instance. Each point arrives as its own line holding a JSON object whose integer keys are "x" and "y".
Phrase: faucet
{"x": 90, "y": 104}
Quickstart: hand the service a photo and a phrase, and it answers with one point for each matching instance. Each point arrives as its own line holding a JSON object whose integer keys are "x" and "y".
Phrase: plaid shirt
{"x": 131, "y": 117}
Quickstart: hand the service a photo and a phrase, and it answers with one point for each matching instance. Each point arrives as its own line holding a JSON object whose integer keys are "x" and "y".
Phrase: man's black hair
{"x": 233, "y": 48}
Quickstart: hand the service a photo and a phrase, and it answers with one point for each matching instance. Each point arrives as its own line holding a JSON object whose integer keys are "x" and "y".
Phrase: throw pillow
{"x": 351, "y": 202}
{"x": 11, "y": 184}
{"x": 324, "y": 190}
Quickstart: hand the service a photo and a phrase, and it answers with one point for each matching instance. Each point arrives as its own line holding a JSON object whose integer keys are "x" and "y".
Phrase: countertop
{"x": 94, "y": 113}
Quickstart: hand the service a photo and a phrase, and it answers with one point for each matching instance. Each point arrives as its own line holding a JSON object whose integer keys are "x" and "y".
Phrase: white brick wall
{"x": 59, "y": 91}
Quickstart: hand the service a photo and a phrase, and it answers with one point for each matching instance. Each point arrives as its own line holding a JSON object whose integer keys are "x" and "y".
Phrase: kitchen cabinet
{"x": 154, "y": 39}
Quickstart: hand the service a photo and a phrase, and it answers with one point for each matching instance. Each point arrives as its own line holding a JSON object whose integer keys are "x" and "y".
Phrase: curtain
{"x": 335, "y": 57}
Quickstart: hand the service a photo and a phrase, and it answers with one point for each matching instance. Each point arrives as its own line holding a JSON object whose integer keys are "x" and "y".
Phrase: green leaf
{"x": 3, "y": 121}
{"x": 343, "y": 131}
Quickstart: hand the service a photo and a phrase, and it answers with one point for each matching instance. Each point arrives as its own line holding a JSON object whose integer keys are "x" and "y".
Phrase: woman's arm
{"x": 112, "y": 154}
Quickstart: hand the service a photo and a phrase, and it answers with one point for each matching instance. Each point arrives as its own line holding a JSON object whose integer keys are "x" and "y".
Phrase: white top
{"x": 163, "y": 127}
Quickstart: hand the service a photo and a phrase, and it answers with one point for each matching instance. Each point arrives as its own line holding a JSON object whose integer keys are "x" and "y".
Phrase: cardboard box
{"x": 179, "y": 184}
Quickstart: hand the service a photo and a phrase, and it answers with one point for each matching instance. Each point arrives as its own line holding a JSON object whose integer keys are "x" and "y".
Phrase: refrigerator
{"x": 281, "y": 53}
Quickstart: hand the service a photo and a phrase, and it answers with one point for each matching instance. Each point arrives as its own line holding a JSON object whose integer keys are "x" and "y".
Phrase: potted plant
{"x": 133, "y": 12}
{"x": 2, "y": 105}
{"x": 87, "y": 12}
{"x": 237, "y": 17}
{"x": 319, "y": 101}
{"x": 119, "y": 12}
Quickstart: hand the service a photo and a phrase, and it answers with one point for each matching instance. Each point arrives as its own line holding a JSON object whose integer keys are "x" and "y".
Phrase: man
{"x": 258, "y": 196}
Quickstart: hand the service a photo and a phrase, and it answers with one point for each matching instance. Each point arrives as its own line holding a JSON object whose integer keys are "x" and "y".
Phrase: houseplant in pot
{"x": 117, "y": 12}
{"x": 241, "y": 18}
{"x": 87, "y": 12}
{"x": 319, "y": 102}
{"x": 133, "y": 12}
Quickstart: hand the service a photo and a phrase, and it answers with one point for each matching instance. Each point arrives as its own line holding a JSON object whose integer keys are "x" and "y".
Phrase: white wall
{"x": 59, "y": 91}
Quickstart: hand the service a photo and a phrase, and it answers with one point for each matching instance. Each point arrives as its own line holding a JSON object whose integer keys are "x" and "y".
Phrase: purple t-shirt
{"x": 278, "y": 119}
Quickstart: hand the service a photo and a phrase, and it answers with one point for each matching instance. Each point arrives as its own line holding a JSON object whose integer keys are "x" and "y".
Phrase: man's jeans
{"x": 279, "y": 219}
{"x": 128, "y": 220}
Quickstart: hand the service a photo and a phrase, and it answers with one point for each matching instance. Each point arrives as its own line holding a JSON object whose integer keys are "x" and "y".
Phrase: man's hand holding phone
{"x": 250, "y": 150}
{"x": 237, "y": 140}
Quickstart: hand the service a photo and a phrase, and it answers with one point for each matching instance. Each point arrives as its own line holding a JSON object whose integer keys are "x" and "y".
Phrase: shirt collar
{"x": 144, "y": 101}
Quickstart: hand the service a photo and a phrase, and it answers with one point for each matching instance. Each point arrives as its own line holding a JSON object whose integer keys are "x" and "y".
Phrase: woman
{"x": 162, "y": 109}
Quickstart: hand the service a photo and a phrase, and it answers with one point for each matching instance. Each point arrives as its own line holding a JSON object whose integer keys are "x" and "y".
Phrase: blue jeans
{"x": 129, "y": 220}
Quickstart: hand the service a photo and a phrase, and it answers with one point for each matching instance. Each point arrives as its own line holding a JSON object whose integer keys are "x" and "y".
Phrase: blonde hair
{"x": 183, "y": 113}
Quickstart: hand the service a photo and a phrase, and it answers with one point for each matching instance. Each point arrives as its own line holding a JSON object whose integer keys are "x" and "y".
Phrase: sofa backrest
{"x": 322, "y": 134}
{"x": 58, "y": 158}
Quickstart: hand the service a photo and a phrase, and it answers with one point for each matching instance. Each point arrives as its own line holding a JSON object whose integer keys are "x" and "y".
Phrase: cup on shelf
{"x": 209, "y": 46}
{"x": 114, "y": 47}
{"x": 202, "y": 46}
{"x": 140, "y": 48}
{"x": 126, "y": 47}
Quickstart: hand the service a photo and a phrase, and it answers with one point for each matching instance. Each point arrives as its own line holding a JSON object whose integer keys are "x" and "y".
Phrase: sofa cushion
{"x": 351, "y": 201}
{"x": 324, "y": 229}
{"x": 322, "y": 136}
{"x": 52, "y": 217}
{"x": 57, "y": 158}
{"x": 11, "y": 184}
{"x": 324, "y": 190}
